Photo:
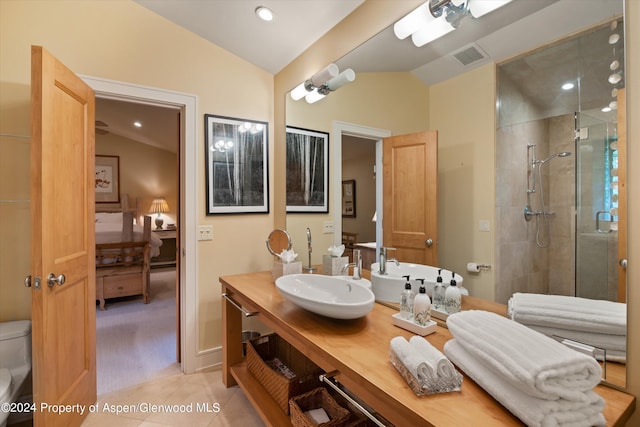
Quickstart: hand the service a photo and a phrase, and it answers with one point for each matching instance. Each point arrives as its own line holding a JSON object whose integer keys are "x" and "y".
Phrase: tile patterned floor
{"x": 200, "y": 400}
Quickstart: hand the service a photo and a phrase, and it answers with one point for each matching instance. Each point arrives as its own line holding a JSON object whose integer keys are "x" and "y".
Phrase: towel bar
{"x": 238, "y": 306}
{"x": 325, "y": 378}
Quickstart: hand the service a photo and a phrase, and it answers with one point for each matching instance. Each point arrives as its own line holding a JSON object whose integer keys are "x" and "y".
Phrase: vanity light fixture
{"x": 322, "y": 83}
{"x": 435, "y": 18}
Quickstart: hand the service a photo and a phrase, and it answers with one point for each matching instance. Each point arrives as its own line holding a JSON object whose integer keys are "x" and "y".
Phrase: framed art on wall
{"x": 307, "y": 170}
{"x": 107, "y": 179}
{"x": 237, "y": 170}
{"x": 349, "y": 199}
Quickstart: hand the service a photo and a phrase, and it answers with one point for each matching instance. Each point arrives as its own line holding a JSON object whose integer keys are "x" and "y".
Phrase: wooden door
{"x": 410, "y": 165}
{"x": 622, "y": 195}
{"x": 62, "y": 241}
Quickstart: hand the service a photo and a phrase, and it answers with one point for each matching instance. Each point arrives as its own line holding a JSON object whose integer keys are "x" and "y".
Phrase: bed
{"x": 123, "y": 253}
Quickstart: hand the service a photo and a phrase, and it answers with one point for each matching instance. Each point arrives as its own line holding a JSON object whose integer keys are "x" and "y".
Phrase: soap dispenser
{"x": 406, "y": 300}
{"x": 452, "y": 297}
{"x": 422, "y": 306}
{"x": 438, "y": 292}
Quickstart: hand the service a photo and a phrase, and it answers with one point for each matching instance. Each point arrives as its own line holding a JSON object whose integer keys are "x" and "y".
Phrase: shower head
{"x": 561, "y": 154}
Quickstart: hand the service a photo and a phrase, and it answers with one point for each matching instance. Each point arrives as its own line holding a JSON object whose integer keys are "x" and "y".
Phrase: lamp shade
{"x": 347, "y": 76}
{"x": 159, "y": 206}
{"x": 434, "y": 30}
{"x": 482, "y": 7}
{"x": 411, "y": 23}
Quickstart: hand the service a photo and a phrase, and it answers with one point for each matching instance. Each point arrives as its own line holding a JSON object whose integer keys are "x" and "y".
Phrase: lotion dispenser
{"x": 438, "y": 292}
{"x": 452, "y": 297}
{"x": 422, "y": 306}
{"x": 406, "y": 300}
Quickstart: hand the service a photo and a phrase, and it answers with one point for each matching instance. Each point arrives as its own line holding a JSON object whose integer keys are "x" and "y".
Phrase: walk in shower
{"x": 557, "y": 168}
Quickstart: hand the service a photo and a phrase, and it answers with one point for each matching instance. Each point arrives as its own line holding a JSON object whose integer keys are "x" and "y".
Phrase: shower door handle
{"x": 623, "y": 263}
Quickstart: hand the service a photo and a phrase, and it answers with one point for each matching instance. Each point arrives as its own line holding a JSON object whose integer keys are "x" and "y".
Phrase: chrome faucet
{"x": 309, "y": 269}
{"x": 384, "y": 260}
{"x": 356, "y": 264}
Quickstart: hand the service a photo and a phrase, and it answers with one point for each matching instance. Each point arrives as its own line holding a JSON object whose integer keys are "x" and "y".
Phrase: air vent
{"x": 470, "y": 54}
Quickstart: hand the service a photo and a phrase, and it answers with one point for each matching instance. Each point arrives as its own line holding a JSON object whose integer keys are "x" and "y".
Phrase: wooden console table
{"x": 358, "y": 349}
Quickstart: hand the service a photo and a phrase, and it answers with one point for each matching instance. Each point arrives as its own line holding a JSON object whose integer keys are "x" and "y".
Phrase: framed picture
{"x": 349, "y": 199}
{"x": 307, "y": 170}
{"x": 237, "y": 167}
{"x": 107, "y": 179}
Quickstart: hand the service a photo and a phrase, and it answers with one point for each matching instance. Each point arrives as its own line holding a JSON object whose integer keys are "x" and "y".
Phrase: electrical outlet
{"x": 205, "y": 232}
{"x": 327, "y": 227}
{"x": 484, "y": 225}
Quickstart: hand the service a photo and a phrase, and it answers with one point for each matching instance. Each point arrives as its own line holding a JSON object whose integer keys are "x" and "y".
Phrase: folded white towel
{"x": 573, "y": 313}
{"x": 534, "y": 363}
{"x": 435, "y": 364}
{"x": 532, "y": 411}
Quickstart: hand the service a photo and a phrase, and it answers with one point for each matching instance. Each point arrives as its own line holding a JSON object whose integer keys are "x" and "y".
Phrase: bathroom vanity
{"x": 358, "y": 350}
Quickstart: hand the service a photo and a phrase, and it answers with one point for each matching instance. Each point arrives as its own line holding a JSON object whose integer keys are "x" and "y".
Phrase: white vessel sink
{"x": 388, "y": 287}
{"x": 338, "y": 297}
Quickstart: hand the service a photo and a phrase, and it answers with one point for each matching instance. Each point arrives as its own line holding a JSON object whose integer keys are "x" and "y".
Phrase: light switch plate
{"x": 484, "y": 225}
{"x": 205, "y": 232}
{"x": 327, "y": 227}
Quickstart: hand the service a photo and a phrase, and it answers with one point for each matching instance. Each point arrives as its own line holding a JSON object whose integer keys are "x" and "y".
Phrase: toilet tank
{"x": 15, "y": 344}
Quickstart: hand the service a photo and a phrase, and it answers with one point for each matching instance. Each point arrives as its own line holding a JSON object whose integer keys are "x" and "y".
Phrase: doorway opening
{"x": 187, "y": 201}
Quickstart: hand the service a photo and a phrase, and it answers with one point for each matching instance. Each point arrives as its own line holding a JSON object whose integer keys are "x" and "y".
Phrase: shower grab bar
{"x": 598, "y": 221}
{"x": 325, "y": 378}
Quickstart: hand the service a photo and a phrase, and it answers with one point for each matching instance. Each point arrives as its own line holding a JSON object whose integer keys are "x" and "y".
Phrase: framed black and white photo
{"x": 307, "y": 170}
{"x": 237, "y": 165}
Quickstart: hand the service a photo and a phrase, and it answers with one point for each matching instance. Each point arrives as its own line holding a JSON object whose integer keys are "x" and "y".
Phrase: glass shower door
{"x": 596, "y": 207}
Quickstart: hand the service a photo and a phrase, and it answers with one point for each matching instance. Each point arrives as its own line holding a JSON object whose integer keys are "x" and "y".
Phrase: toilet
{"x": 15, "y": 361}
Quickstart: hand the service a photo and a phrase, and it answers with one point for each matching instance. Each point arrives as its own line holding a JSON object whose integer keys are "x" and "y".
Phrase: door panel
{"x": 410, "y": 165}
{"x": 63, "y": 239}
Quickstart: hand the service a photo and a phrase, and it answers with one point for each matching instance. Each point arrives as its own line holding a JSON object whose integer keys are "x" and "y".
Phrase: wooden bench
{"x": 122, "y": 269}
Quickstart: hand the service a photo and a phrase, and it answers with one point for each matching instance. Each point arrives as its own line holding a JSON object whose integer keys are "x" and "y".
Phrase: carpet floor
{"x": 136, "y": 342}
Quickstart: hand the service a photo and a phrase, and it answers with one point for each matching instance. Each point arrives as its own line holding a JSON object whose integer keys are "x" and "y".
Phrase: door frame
{"x": 344, "y": 128}
{"x": 191, "y": 358}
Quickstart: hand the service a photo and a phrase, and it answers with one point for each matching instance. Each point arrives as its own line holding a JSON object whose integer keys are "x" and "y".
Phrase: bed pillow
{"x": 115, "y": 217}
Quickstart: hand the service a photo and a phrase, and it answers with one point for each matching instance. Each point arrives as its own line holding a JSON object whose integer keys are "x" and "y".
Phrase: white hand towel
{"x": 435, "y": 364}
{"x": 530, "y": 410}
{"x": 407, "y": 356}
{"x": 534, "y": 363}
{"x": 574, "y": 313}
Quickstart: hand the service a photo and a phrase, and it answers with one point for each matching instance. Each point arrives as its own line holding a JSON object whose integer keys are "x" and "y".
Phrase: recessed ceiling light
{"x": 137, "y": 124}
{"x": 568, "y": 86}
{"x": 264, "y": 13}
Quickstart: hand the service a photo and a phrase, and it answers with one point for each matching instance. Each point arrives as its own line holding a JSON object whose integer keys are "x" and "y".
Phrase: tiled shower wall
{"x": 522, "y": 266}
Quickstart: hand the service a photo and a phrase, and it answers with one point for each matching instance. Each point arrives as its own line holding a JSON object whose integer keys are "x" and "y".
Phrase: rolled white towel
{"x": 532, "y": 411}
{"x": 534, "y": 363}
{"x": 407, "y": 355}
{"x": 438, "y": 364}
{"x": 573, "y": 313}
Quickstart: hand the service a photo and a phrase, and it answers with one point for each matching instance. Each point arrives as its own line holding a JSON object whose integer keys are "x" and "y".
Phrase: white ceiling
{"x": 233, "y": 25}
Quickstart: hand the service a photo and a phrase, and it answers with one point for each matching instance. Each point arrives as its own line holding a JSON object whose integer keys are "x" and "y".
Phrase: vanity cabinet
{"x": 358, "y": 350}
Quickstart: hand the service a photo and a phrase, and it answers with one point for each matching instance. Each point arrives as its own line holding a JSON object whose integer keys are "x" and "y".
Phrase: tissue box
{"x": 332, "y": 266}
{"x": 282, "y": 269}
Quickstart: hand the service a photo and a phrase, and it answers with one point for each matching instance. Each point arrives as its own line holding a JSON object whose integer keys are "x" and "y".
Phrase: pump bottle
{"x": 422, "y": 306}
{"x": 452, "y": 297}
{"x": 438, "y": 292}
{"x": 406, "y": 301}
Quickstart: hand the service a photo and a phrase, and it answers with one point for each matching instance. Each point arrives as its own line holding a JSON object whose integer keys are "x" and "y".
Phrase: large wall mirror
{"x": 485, "y": 156}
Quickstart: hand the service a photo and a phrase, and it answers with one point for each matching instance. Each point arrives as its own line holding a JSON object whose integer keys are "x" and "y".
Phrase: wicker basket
{"x": 314, "y": 399}
{"x": 281, "y": 388}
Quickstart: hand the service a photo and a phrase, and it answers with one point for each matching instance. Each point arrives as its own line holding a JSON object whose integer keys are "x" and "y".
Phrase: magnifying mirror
{"x": 278, "y": 241}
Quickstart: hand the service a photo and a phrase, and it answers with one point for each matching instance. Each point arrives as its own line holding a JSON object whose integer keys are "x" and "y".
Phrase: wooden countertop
{"x": 358, "y": 349}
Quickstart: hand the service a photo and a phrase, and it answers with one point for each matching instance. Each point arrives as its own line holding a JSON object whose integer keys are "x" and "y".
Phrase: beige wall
{"x": 397, "y": 102}
{"x": 122, "y": 41}
{"x": 462, "y": 110}
{"x": 146, "y": 172}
